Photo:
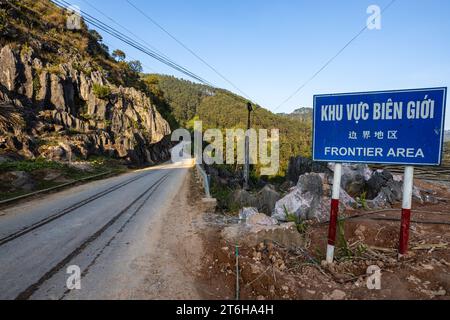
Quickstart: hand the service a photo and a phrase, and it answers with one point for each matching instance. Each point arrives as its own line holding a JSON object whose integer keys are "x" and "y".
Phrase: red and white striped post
{"x": 408, "y": 181}
{"x": 334, "y": 211}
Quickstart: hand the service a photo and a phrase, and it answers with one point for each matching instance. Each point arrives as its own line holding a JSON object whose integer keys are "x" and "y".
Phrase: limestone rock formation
{"x": 65, "y": 111}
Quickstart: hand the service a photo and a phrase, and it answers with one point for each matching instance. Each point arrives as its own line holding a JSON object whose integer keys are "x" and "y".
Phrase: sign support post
{"x": 334, "y": 212}
{"x": 395, "y": 127}
{"x": 408, "y": 181}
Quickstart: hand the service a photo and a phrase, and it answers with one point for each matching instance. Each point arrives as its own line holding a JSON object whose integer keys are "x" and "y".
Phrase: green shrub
{"x": 3, "y": 19}
{"x": 302, "y": 226}
{"x": 363, "y": 201}
{"x": 26, "y": 49}
{"x": 54, "y": 69}
{"x": 30, "y": 165}
{"x": 101, "y": 92}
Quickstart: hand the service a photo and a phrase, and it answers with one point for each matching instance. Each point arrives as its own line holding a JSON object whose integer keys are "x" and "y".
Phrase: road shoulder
{"x": 178, "y": 248}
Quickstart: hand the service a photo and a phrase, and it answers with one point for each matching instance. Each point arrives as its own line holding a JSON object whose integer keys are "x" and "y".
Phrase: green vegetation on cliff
{"x": 219, "y": 108}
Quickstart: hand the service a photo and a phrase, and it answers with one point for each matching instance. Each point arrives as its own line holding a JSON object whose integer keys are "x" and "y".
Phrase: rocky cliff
{"x": 66, "y": 110}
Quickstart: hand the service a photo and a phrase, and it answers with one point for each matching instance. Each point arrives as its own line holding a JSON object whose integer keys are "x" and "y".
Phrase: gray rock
{"x": 18, "y": 180}
{"x": 378, "y": 180}
{"x": 388, "y": 195}
{"x": 9, "y": 75}
{"x": 64, "y": 101}
{"x": 286, "y": 234}
{"x": 305, "y": 201}
{"x": 260, "y": 219}
{"x": 298, "y": 166}
{"x": 247, "y": 212}
{"x": 354, "y": 177}
{"x": 267, "y": 198}
{"x": 347, "y": 201}
{"x": 243, "y": 198}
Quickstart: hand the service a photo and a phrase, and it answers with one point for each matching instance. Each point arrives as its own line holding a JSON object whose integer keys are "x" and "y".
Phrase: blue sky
{"x": 269, "y": 48}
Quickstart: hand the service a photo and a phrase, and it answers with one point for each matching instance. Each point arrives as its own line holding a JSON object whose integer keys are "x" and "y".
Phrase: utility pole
{"x": 247, "y": 149}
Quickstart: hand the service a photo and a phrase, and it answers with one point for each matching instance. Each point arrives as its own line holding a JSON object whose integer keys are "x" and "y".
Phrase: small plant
{"x": 101, "y": 92}
{"x": 25, "y": 50}
{"x": 86, "y": 116}
{"x": 344, "y": 249}
{"x": 362, "y": 201}
{"x": 302, "y": 226}
{"x": 72, "y": 132}
{"x": 54, "y": 69}
{"x": 36, "y": 84}
{"x": 361, "y": 249}
{"x": 290, "y": 217}
{"x": 134, "y": 124}
{"x": 3, "y": 19}
{"x": 223, "y": 195}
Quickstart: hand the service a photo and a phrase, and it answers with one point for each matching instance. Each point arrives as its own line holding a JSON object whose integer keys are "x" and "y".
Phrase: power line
{"x": 124, "y": 28}
{"x": 331, "y": 59}
{"x": 118, "y": 35}
{"x": 103, "y": 26}
{"x": 188, "y": 49}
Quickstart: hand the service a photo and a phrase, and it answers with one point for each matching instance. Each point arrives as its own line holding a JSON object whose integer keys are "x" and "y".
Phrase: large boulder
{"x": 310, "y": 199}
{"x": 305, "y": 201}
{"x": 267, "y": 198}
{"x": 354, "y": 177}
{"x": 264, "y": 201}
{"x": 243, "y": 198}
{"x": 261, "y": 219}
{"x": 285, "y": 234}
{"x": 16, "y": 181}
{"x": 384, "y": 190}
{"x": 377, "y": 181}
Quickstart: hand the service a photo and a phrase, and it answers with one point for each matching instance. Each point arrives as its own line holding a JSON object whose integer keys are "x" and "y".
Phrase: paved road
{"x": 104, "y": 228}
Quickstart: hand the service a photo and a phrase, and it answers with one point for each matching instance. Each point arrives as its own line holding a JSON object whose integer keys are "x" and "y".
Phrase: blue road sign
{"x": 393, "y": 127}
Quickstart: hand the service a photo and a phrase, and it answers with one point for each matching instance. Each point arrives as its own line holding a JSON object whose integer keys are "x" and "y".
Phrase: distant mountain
{"x": 303, "y": 113}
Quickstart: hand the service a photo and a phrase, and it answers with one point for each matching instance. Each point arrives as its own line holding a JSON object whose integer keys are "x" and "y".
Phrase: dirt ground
{"x": 272, "y": 271}
{"x": 193, "y": 261}
{"x": 177, "y": 249}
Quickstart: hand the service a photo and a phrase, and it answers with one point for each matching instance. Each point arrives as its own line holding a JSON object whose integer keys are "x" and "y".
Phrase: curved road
{"x": 104, "y": 228}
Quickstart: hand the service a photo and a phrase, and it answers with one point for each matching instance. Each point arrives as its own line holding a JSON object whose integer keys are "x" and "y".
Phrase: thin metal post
{"x": 334, "y": 211}
{"x": 247, "y": 149}
{"x": 237, "y": 272}
{"x": 408, "y": 182}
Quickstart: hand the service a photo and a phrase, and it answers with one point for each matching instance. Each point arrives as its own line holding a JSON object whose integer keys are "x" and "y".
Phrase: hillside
{"x": 63, "y": 97}
{"x": 219, "y": 108}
